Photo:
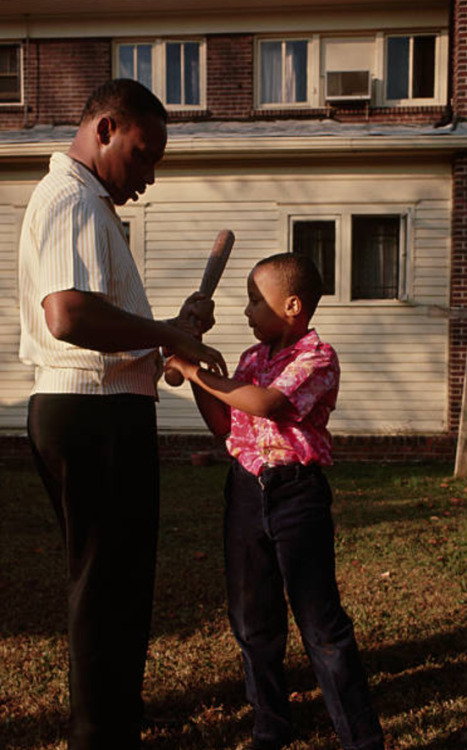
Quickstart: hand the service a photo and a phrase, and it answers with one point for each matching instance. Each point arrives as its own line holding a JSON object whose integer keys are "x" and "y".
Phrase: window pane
{"x": 10, "y": 73}
{"x": 398, "y": 67}
{"x": 375, "y": 257}
{"x": 317, "y": 239}
{"x": 271, "y": 72}
{"x": 295, "y": 71}
{"x": 423, "y": 67}
{"x": 144, "y": 65}
{"x": 126, "y": 67}
{"x": 126, "y": 229}
{"x": 192, "y": 73}
{"x": 174, "y": 73}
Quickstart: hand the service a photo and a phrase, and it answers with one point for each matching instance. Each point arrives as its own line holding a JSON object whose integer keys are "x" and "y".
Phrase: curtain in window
{"x": 134, "y": 61}
{"x": 317, "y": 240}
{"x": 192, "y": 73}
{"x": 375, "y": 257}
{"x": 10, "y": 82}
{"x": 173, "y": 63}
{"x": 295, "y": 71}
{"x": 271, "y": 72}
{"x": 423, "y": 67}
{"x": 182, "y": 73}
{"x": 143, "y": 62}
{"x": 283, "y": 72}
{"x": 398, "y": 67}
{"x": 126, "y": 68}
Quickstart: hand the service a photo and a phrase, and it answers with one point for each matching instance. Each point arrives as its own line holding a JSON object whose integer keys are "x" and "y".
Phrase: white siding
{"x": 15, "y": 379}
{"x": 394, "y": 355}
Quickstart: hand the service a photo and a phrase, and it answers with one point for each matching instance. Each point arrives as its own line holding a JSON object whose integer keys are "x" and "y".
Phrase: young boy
{"x": 279, "y": 530}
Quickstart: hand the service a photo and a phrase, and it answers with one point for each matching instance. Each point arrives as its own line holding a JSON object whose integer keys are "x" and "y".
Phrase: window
{"x": 362, "y": 255}
{"x": 375, "y": 257}
{"x": 135, "y": 61}
{"x": 10, "y": 73}
{"x": 174, "y": 70}
{"x": 182, "y": 73}
{"x": 411, "y": 67}
{"x": 317, "y": 239}
{"x": 283, "y": 72}
{"x": 127, "y": 231}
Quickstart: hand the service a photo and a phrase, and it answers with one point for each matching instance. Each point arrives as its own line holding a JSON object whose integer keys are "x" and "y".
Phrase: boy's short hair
{"x": 300, "y": 277}
{"x": 124, "y": 99}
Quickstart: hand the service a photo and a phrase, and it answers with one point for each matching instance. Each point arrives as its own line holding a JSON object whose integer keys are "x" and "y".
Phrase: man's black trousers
{"x": 97, "y": 456}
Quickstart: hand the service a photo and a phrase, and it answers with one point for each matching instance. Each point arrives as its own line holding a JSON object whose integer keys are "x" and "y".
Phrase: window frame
{"x": 133, "y": 215}
{"x": 312, "y": 71}
{"x": 19, "y": 102}
{"x": 343, "y": 246}
{"x": 440, "y": 69}
{"x": 158, "y": 67}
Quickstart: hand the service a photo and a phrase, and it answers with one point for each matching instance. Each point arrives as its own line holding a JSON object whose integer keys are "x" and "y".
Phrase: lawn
{"x": 401, "y": 548}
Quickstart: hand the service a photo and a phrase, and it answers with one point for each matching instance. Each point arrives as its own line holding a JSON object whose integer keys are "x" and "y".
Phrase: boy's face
{"x": 266, "y": 309}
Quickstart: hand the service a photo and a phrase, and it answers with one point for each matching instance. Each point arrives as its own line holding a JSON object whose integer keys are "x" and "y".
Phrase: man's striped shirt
{"x": 73, "y": 239}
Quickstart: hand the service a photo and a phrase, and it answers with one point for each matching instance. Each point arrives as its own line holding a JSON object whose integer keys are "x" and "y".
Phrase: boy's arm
{"x": 215, "y": 413}
{"x": 252, "y": 399}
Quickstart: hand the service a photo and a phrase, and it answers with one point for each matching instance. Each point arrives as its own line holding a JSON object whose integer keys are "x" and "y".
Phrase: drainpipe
{"x": 26, "y": 72}
{"x": 450, "y": 116}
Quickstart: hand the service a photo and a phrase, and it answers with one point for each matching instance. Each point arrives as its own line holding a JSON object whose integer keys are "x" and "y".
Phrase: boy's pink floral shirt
{"x": 307, "y": 372}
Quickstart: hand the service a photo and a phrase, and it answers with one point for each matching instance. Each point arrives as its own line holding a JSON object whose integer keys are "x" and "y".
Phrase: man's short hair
{"x": 125, "y": 100}
{"x": 300, "y": 276}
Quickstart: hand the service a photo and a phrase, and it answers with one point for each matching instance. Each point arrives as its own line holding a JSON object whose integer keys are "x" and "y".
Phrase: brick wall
{"x": 68, "y": 71}
{"x": 383, "y": 448}
{"x": 458, "y": 328}
{"x": 59, "y": 76}
{"x": 230, "y": 76}
{"x": 459, "y": 57}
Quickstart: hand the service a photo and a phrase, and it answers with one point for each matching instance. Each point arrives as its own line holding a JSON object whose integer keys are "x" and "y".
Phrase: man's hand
{"x": 199, "y": 311}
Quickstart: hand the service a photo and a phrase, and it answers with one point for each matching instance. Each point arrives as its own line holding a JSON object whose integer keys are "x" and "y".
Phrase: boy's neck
{"x": 289, "y": 337}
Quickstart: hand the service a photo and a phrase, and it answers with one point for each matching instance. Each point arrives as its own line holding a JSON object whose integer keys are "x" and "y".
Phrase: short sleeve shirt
{"x": 307, "y": 372}
{"x": 73, "y": 239}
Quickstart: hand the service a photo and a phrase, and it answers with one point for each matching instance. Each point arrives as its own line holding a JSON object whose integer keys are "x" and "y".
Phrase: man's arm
{"x": 88, "y": 320}
{"x": 252, "y": 399}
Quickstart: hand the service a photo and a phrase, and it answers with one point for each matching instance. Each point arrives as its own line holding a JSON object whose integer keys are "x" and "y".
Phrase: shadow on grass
{"x": 409, "y": 676}
{"x": 33, "y": 731}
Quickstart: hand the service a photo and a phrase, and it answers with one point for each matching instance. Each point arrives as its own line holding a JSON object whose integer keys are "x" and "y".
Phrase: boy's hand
{"x": 187, "y": 359}
{"x": 189, "y": 369}
{"x": 181, "y": 365}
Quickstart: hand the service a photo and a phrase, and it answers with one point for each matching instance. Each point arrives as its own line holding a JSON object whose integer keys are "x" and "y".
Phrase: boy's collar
{"x": 302, "y": 343}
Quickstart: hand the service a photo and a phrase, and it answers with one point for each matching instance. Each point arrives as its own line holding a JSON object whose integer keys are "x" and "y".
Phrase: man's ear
{"x": 293, "y": 305}
{"x": 105, "y": 128}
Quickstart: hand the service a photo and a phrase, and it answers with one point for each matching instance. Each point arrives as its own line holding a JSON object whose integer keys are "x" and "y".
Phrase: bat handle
{"x": 173, "y": 377}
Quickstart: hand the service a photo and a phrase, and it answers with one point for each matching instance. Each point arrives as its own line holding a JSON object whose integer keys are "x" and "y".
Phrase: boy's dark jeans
{"x": 279, "y": 533}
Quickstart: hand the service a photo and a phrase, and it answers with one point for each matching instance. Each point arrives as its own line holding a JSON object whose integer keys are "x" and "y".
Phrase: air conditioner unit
{"x": 348, "y": 85}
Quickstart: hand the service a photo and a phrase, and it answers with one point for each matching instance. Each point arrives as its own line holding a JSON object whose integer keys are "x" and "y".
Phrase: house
{"x": 335, "y": 128}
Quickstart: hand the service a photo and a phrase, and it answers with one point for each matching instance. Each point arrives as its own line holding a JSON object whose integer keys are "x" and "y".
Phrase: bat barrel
{"x": 214, "y": 268}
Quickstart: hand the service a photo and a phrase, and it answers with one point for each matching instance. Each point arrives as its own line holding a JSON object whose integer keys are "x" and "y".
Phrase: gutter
{"x": 253, "y": 147}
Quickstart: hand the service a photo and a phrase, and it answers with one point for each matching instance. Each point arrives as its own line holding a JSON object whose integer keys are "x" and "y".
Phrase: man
{"x": 88, "y": 329}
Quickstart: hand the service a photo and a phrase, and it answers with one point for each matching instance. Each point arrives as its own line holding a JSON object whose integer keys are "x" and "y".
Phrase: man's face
{"x": 129, "y": 155}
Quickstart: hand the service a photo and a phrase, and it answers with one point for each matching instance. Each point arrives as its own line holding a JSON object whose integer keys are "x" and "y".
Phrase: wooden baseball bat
{"x": 212, "y": 272}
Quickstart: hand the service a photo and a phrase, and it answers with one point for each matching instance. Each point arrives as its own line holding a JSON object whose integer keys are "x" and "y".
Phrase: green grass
{"x": 401, "y": 550}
